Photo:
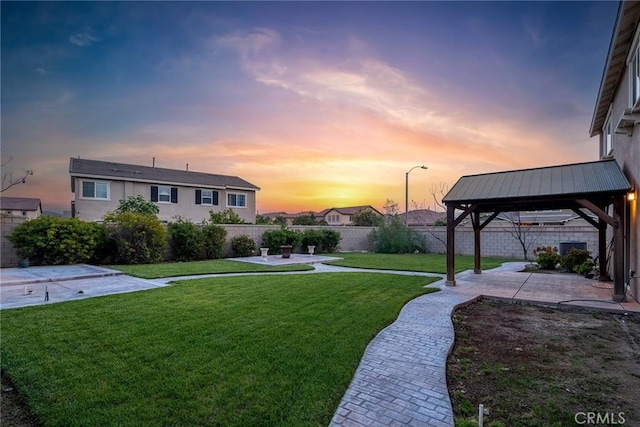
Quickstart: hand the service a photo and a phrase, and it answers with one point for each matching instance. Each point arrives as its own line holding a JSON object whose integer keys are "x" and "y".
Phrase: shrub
{"x": 273, "y": 239}
{"x": 185, "y": 240}
{"x": 392, "y": 238}
{"x": 586, "y": 267}
{"x": 213, "y": 239}
{"x": 311, "y": 238}
{"x": 243, "y": 245}
{"x": 52, "y": 241}
{"x": 573, "y": 259}
{"x": 137, "y": 238}
{"x": 547, "y": 257}
{"x": 330, "y": 240}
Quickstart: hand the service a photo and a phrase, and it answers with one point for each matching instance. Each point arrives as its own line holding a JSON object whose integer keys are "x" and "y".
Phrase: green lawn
{"x": 217, "y": 266}
{"x": 231, "y": 351}
{"x": 430, "y": 263}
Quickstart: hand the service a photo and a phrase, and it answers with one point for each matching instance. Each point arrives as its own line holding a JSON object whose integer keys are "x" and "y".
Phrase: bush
{"x": 137, "y": 238}
{"x": 547, "y": 257}
{"x": 307, "y": 219}
{"x": 243, "y": 245}
{"x": 573, "y": 259}
{"x": 213, "y": 239}
{"x": 274, "y": 239}
{"x": 137, "y": 204}
{"x": 311, "y": 238}
{"x": 185, "y": 240}
{"x": 367, "y": 217}
{"x": 586, "y": 267}
{"x": 53, "y": 241}
{"x": 330, "y": 240}
{"x": 392, "y": 238}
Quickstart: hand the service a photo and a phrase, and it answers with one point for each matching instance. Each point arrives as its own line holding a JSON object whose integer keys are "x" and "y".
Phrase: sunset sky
{"x": 321, "y": 104}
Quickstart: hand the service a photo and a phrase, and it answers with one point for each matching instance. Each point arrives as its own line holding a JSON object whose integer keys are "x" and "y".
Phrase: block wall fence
{"x": 494, "y": 242}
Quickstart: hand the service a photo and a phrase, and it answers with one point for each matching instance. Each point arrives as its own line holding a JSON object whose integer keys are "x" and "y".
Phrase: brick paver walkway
{"x": 401, "y": 379}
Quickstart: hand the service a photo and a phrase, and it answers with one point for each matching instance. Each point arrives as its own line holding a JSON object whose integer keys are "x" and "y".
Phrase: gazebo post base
{"x": 619, "y": 298}
{"x": 479, "y": 271}
{"x": 450, "y": 283}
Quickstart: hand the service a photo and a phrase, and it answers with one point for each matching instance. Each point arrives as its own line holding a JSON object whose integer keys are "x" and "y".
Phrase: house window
{"x": 164, "y": 194}
{"x": 95, "y": 190}
{"x": 607, "y": 137}
{"x": 634, "y": 78}
{"x": 206, "y": 197}
{"x": 237, "y": 200}
{"x": 333, "y": 218}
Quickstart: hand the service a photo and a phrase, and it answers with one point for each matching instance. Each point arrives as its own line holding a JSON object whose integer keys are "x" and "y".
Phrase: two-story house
{"x": 99, "y": 186}
{"x": 342, "y": 216}
{"x": 615, "y": 121}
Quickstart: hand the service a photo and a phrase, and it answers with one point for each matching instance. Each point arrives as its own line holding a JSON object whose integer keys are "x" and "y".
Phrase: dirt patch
{"x": 536, "y": 366}
{"x": 14, "y": 412}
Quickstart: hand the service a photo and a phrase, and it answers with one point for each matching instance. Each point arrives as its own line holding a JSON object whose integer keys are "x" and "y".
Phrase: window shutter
{"x": 215, "y": 198}
{"x": 174, "y": 195}
{"x": 198, "y": 197}
{"x": 154, "y": 193}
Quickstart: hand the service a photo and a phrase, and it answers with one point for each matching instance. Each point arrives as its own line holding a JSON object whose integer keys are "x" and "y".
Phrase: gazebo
{"x": 593, "y": 186}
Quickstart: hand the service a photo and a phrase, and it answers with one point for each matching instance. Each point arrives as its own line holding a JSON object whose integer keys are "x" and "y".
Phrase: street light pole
{"x": 406, "y": 193}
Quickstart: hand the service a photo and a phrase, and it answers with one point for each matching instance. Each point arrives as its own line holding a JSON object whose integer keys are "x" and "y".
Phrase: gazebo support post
{"x": 477, "y": 268}
{"x": 618, "y": 249}
{"x": 451, "y": 246}
{"x": 602, "y": 251}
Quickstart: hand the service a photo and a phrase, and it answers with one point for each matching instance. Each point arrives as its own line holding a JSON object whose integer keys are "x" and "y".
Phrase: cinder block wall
{"x": 8, "y": 255}
{"x": 501, "y": 243}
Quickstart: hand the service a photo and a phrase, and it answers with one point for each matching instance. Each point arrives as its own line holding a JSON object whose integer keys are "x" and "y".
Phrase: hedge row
{"x": 140, "y": 238}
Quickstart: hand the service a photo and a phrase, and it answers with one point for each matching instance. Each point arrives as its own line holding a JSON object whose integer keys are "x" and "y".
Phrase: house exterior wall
{"x": 22, "y": 214}
{"x": 626, "y": 151}
{"x": 334, "y": 217}
{"x": 94, "y": 210}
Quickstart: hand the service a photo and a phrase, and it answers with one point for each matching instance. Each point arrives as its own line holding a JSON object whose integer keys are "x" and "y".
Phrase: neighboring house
{"x": 26, "y": 207}
{"x": 615, "y": 121}
{"x": 99, "y": 186}
{"x": 342, "y": 216}
{"x": 424, "y": 217}
{"x": 565, "y": 217}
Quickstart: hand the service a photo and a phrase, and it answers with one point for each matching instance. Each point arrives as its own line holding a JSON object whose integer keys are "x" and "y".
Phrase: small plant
{"x": 586, "y": 267}
{"x": 573, "y": 259}
{"x": 547, "y": 257}
{"x": 243, "y": 245}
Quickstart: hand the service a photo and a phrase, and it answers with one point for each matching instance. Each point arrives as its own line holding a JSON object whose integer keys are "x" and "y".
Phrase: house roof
{"x": 539, "y": 185}
{"x": 138, "y": 173}
{"x": 424, "y": 216}
{"x": 20, "y": 203}
{"x": 348, "y": 210}
{"x": 621, "y": 40}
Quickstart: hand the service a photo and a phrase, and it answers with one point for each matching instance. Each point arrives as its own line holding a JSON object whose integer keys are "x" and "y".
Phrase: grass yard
{"x": 430, "y": 263}
{"x": 232, "y": 351}
{"x": 215, "y": 266}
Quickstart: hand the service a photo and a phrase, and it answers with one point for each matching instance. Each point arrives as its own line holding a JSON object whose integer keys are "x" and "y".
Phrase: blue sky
{"x": 318, "y": 103}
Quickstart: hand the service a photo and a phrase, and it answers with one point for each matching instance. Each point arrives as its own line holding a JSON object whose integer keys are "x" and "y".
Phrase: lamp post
{"x": 406, "y": 194}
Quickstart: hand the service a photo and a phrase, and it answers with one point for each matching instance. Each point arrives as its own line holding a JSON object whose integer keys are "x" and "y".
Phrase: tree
{"x": 307, "y": 219}
{"x": 367, "y": 218}
{"x": 525, "y": 234}
{"x": 390, "y": 208}
{"x": 263, "y": 220}
{"x": 137, "y": 204}
{"x": 9, "y": 180}
{"x": 227, "y": 216}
